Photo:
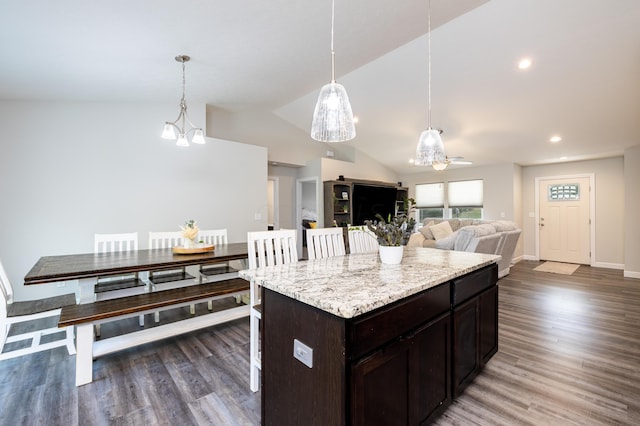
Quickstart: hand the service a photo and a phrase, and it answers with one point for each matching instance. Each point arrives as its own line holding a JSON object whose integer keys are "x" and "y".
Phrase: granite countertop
{"x": 351, "y": 285}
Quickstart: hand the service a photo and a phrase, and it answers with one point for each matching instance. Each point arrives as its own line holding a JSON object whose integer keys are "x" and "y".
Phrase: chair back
{"x": 361, "y": 240}
{"x": 268, "y": 248}
{"x": 6, "y": 293}
{"x": 162, "y": 240}
{"x": 325, "y": 242}
{"x": 111, "y": 243}
{"x": 213, "y": 236}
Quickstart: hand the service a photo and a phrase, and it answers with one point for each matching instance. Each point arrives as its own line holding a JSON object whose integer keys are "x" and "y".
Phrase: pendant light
{"x": 333, "y": 118}
{"x": 170, "y": 128}
{"x": 430, "y": 149}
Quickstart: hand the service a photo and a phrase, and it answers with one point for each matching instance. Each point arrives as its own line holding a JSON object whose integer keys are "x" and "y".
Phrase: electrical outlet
{"x": 303, "y": 353}
{"x": 257, "y": 216}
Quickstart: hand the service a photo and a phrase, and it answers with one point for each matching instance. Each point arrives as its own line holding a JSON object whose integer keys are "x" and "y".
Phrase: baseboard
{"x": 631, "y": 274}
{"x": 516, "y": 259}
{"x": 608, "y": 265}
{"x": 529, "y": 257}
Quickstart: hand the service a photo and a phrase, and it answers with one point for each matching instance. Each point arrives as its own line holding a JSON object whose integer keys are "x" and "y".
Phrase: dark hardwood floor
{"x": 569, "y": 354}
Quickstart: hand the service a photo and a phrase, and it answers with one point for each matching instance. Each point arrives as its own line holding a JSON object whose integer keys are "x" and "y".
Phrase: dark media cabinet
{"x": 350, "y": 202}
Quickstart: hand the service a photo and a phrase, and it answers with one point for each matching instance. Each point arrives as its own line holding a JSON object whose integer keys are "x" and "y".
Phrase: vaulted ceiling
{"x": 584, "y": 82}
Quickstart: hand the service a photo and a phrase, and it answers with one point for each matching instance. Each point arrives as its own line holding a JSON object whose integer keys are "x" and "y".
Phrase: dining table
{"x": 88, "y": 267}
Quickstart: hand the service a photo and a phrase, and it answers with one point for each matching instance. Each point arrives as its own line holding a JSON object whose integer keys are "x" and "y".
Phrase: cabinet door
{"x": 430, "y": 371}
{"x": 408, "y": 382}
{"x": 466, "y": 362}
{"x": 380, "y": 387}
{"x": 488, "y": 311}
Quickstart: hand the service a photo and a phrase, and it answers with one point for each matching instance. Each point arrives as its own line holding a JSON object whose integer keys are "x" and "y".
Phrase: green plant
{"x": 392, "y": 232}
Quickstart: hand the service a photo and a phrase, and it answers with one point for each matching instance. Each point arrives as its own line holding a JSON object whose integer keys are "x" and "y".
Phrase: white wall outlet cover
{"x": 303, "y": 353}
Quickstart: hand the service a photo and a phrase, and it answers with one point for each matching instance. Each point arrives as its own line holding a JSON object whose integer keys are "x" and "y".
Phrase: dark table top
{"x": 75, "y": 266}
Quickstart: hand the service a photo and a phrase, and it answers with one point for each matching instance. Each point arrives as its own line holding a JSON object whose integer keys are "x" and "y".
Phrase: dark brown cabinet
{"x": 406, "y": 382}
{"x": 475, "y": 325}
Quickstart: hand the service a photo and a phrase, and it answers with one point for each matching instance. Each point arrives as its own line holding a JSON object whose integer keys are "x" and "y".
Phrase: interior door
{"x": 565, "y": 220}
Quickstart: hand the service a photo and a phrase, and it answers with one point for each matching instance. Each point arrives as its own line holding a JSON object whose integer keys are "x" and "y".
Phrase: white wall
{"x": 632, "y": 212}
{"x": 609, "y": 199}
{"x": 364, "y": 167}
{"x": 69, "y": 170}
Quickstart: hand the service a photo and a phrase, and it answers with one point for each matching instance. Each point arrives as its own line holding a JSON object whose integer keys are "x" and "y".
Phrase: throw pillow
{"x": 448, "y": 242}
{"x": 441, "y": 230}
{"x": 426, "y": 232}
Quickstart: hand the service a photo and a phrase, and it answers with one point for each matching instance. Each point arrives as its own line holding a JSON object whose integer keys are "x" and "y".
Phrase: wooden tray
{"x": 199, "y": 248}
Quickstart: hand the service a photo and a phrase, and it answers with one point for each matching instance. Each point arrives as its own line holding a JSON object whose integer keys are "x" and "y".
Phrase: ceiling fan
{"x": 450, "y": 160}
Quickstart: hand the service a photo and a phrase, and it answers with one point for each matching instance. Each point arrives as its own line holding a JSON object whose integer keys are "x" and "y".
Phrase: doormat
{"x": 557, "y": 268}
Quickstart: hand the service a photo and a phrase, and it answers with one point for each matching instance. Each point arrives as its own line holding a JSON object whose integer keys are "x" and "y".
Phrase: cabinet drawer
{"x": 381, "y": 326}
{"x": 473, "y": 283}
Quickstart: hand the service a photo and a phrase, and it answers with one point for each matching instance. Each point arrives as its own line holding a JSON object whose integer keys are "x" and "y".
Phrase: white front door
{"x": 565, "y": 220}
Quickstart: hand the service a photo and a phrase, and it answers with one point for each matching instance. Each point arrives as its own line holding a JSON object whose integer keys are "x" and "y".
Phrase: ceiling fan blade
{"x": 457, "y": 160}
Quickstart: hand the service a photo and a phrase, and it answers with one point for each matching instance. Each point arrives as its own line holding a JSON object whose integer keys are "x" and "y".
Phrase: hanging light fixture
{"x": 176, "y": 129}
{"x": 333, "y": 118}
{"x": 430, "y": 149}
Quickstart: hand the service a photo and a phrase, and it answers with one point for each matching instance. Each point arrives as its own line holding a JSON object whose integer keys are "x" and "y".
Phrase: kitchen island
{"x": 347, "y": 340}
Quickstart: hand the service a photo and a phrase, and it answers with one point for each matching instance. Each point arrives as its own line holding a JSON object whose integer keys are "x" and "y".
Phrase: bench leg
{"x": 84, "y": 355}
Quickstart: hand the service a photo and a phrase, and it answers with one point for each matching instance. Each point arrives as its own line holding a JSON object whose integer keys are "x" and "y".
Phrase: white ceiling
{"x": 274, "y": 55}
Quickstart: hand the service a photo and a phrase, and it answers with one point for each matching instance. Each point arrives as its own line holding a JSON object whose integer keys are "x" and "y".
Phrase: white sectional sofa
{"x": 479, "y": 236}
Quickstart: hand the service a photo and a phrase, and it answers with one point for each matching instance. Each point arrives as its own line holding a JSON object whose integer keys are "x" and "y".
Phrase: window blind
{"x": 430, "y": 195}
{"x": 466, "y": 193}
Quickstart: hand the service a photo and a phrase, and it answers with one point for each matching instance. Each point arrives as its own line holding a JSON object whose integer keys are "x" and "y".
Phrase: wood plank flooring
{"x": 569, "y": 355}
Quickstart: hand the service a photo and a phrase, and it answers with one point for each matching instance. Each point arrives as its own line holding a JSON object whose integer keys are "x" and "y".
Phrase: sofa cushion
{"x": 504, "y": 225}
{"x": 426, "y": 231}
{"x": 441, "y": 230}
{"x": 448, "y": 242}
{"x": 468, "y": 233}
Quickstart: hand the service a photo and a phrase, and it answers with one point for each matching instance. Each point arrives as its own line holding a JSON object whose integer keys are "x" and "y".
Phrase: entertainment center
{"x": 351, "y": 201}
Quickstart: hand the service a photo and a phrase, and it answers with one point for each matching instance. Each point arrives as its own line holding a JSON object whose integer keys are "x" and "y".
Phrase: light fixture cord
{"x": 333, "y": 53}
{"x": 429, "y": 61}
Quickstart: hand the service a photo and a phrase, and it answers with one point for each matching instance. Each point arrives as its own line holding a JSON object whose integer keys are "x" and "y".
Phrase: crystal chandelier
{"x": 333, "y": 118}
{"x": 176, "y": 129}
{"x": 430, "y": 149}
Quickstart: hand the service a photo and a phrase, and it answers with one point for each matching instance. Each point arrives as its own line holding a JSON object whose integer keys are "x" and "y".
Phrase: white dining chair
{"x": 213, "y": 237}
{"x": 13, "y": 313}
{"x": 265, "y": 248}
{"x": 325, "y": 242}
{"x": 165, "y": 240}
{"x": 362, "y": 240}
{"x": 113, "y": 287}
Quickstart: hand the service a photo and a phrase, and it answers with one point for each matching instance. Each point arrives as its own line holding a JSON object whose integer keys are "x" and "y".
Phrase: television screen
{"x": 367, "y": 200}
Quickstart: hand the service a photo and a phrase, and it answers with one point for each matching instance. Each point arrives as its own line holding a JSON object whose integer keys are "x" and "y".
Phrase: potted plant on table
{"x": 392, "y": 235}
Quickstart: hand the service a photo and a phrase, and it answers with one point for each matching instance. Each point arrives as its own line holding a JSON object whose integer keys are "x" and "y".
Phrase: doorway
{"x": 565, "y": 219}
{"x": 273, "y": 211}
{"x": 308, "y": 193}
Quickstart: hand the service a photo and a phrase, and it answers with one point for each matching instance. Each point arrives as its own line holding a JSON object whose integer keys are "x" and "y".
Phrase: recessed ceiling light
{"x": 555, "y": 139}
{"x": 524, "y": 63}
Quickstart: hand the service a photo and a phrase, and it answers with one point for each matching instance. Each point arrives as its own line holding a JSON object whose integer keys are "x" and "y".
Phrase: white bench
{"x": 86, "y": 316}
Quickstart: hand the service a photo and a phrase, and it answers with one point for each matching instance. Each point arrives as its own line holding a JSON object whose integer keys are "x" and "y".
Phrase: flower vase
{"x": 189, "y": 243}
{"x": 391, "y": 255}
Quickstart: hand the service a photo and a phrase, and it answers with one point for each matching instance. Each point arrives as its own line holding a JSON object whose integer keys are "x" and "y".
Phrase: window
{"x": 430, "y": 200}
{"x": 564, "y": 192}
{"x": 464, "y": 200}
